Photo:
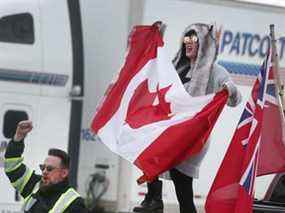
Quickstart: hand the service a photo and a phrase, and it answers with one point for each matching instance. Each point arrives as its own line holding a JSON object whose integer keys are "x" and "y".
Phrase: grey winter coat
{"x": 205, "y": 77}
{"x": 218, "y": 78}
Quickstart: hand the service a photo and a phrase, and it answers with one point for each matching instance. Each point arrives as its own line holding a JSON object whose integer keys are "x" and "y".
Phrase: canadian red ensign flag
{"x": 257, "y": 148}
{"x": 146, "y": 116}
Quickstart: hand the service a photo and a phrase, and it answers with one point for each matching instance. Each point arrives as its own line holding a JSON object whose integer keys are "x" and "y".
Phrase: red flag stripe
{"x": 135, "y": 60}
{"x": 189, "y": 136}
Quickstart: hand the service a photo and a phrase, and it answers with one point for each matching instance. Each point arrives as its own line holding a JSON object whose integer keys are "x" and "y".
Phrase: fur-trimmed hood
{"x": 199, "y": 72}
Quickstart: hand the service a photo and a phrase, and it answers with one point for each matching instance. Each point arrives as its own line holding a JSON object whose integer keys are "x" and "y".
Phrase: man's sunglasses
{"x": 47, "y": 167}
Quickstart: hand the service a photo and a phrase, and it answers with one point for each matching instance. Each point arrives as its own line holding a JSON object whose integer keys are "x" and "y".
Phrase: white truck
{"x": 58, "y": 57}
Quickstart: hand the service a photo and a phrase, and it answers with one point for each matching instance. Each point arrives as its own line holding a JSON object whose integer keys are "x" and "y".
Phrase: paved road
{"x": 174, "y": 209}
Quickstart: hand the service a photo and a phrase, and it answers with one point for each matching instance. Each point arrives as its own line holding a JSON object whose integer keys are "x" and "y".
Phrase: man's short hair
{"x": 62, "y": 155}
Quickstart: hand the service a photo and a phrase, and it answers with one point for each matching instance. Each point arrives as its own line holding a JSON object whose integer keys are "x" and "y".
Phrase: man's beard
{"x": 46, "y": 186}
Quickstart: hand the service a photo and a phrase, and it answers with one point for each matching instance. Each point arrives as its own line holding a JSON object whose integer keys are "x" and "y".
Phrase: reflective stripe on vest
{"x": 11, "y": 164}
{"x": 29, "y": 200}
{"x": 64, "y": 201}
{"x": 22, "y": 181}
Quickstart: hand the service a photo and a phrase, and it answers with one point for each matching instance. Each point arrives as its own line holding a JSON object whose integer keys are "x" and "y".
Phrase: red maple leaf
{"x": 141, "y": 110}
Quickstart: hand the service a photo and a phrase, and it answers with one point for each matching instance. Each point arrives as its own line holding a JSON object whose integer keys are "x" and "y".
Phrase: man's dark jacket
{"x": 46, "y": 196}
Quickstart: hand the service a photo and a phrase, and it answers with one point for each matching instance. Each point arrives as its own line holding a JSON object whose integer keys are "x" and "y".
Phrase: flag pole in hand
{"x": 161, "y": 26}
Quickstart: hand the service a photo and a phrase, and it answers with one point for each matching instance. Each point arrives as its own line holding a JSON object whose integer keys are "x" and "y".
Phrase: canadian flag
{"x": 146, "y": 116}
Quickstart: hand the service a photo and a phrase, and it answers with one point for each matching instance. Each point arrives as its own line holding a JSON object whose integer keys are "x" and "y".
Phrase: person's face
{"x": 191, "y": 46}
{"x": 52, "y": 171}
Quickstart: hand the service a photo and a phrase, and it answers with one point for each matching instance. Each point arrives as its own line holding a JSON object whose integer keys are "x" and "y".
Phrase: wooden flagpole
{"x": 275, "y": 63}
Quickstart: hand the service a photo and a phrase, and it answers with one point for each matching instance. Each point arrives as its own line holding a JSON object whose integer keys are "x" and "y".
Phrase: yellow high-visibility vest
{"x": 60, "y": 205}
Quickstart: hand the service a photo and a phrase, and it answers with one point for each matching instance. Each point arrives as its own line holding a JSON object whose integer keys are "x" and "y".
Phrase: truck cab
{"x": 38, "y": 60}
{"x": 274, "y": 200}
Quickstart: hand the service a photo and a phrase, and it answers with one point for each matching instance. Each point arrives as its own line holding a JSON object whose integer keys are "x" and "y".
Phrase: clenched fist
{"x": 23, "y": 128}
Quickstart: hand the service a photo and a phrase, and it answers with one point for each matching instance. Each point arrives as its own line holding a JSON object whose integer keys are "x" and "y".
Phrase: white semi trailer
{"x": 58, "y": 57}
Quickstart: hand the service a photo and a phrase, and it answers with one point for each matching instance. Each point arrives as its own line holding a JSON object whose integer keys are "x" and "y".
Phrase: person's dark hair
{"x": 62, "y": 155}
{"x": 191, "y": 32}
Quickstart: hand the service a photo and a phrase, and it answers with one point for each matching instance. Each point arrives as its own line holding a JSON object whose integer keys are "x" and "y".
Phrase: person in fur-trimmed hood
{"x": 200, "y": 75}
